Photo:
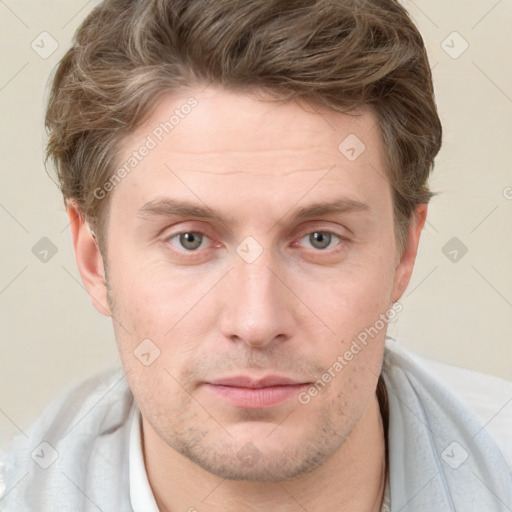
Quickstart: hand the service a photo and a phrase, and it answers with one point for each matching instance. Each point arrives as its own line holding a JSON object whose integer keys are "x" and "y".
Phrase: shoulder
{"x": 488, "y": 397}
{"x": 84, "y": 403}
{"x": 91, "y": 417}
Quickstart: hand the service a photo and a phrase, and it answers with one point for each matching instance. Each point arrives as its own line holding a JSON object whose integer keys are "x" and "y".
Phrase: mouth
{"x": 250, "y": 393}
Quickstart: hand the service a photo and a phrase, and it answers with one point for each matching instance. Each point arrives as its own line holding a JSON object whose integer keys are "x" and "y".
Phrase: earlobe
{"x": 88, "y": 258}
{"x": 405, "y": 266}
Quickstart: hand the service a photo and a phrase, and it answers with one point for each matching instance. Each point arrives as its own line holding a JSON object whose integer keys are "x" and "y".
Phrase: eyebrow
{"x": 168, "y": 207}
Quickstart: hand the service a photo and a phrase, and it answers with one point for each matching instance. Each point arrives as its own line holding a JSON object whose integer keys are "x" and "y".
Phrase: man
{"x": 247, "y": 185}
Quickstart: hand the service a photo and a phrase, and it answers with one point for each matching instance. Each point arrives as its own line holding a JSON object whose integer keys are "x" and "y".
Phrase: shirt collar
{"x": 141, "y": 495}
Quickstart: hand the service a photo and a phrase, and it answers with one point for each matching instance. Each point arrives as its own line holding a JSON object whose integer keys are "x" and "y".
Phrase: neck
{"x": 353, "y": 479}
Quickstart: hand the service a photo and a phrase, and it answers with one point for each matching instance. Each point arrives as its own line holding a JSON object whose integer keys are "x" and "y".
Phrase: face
{"x": 248, "y": 248}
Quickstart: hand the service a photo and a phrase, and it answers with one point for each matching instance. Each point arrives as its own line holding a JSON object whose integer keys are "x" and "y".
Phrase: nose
{"x": 256, "y": 303}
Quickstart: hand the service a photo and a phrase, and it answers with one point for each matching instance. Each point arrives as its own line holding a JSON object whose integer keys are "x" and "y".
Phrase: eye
{"x": 321, "y": 239}
{"x": 188, "y": 240}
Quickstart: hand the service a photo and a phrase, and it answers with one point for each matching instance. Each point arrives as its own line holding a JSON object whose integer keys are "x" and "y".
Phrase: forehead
{"x": 223, "y": 120}
{"x": 206, "y": 143}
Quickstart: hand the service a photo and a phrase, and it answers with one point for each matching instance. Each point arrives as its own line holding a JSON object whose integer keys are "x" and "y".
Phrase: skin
{"x": 291, "y": 312}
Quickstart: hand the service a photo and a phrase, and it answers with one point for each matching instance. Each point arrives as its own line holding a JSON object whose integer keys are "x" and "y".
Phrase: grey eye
{"x": 190, "y": 240}
{"x": 320, "y": 239}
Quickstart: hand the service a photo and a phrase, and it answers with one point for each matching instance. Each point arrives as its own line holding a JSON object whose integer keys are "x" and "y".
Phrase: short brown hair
{"x": 342, "y": 54}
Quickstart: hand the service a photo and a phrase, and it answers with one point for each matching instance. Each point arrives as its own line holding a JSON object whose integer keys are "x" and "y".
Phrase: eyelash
{"x": 341, "y": 239}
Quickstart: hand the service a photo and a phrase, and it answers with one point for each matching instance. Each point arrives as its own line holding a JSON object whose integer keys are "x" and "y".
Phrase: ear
{"x": 88, "y": 259}
{"x": 405, "y": 265}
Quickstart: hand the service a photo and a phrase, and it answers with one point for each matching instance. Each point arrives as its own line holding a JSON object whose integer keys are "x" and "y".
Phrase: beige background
{"x": 459, "y": 312}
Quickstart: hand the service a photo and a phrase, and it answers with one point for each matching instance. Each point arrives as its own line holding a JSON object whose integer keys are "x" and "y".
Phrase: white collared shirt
{"x": 141, "y": 495}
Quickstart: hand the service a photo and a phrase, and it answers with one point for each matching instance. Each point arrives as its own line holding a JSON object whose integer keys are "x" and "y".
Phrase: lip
{"x": 245, "y": 381}
{"x": 255, "y": 393}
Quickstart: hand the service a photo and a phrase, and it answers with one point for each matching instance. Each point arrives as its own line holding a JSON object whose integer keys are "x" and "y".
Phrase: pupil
{"x": 187, "y": 240}
{"x": 323, "y": 239}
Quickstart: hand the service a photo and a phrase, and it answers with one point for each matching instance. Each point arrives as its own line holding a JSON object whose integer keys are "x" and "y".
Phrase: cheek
{"x": 353, "y": 303}
{"x": 159, "y": 319}
{"x": 350, "y": 297}
{"x": 149, "y": 296}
